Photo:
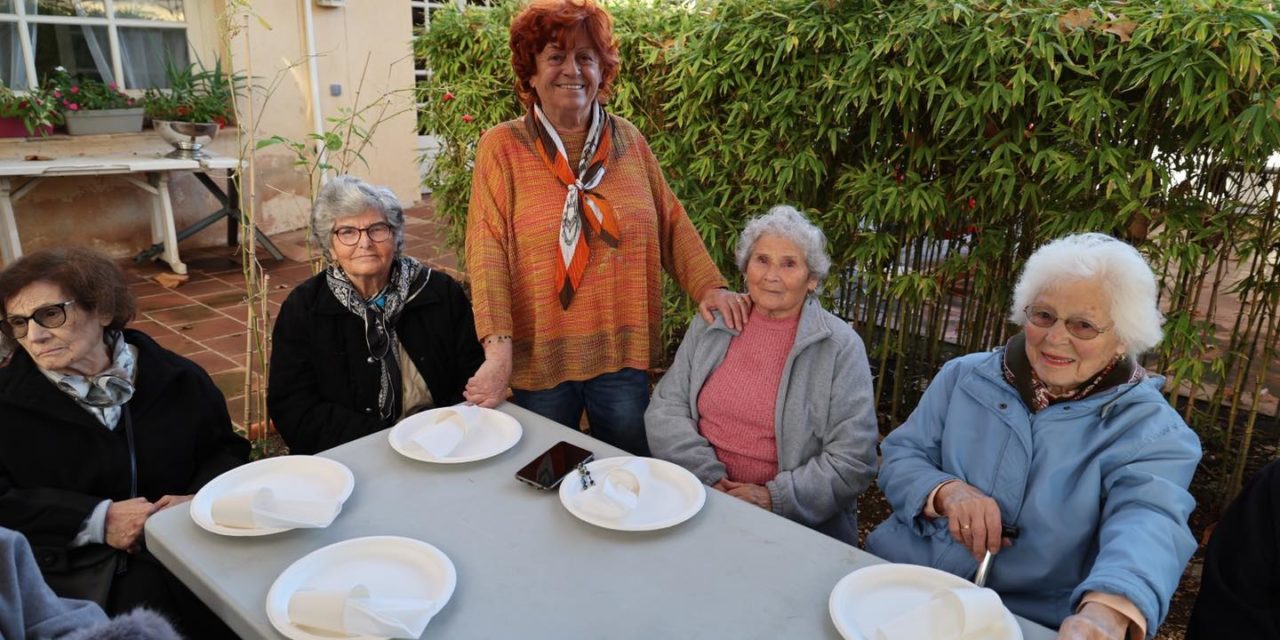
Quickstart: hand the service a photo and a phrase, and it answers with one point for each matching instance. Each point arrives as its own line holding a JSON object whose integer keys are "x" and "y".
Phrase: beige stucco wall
{"x": 112, "y": 214}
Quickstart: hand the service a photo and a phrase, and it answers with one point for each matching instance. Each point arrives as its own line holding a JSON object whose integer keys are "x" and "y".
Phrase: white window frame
{"x": 428, "y": 145}
{"x": 428, "y": 6}
{"x": 111, "y": 22}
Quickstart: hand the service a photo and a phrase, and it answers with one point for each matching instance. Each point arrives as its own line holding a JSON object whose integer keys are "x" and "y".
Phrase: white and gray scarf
{"x": 103, "y": 394}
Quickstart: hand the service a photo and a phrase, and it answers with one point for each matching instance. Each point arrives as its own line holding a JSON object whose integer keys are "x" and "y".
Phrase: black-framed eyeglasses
{"x": 350, "y": 236}
{"x": 50, "y": 316}
{"x": 1079, "y": 327}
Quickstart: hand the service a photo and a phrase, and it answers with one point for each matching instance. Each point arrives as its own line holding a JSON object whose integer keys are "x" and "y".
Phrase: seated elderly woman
{"x": 780, "y": 413}
{"x": 374, "y": 337}
{"x": 100, "y": 427}
{"x": 1063, "y": 435}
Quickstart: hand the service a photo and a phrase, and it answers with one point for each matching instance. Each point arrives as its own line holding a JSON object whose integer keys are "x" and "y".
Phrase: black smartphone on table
{"x": 548, "y": 469}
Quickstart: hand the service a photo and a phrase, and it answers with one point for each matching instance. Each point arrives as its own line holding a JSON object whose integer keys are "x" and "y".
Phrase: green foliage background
{"x": 938, "y": 144}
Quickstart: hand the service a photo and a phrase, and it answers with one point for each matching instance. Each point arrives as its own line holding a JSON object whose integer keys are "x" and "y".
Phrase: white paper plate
{"x": 871, "y": 596}
{"x": 494, "y": 433}
{"x": 301, "y": 477}
{"x": 390, "y": 566}
{"x": 673, "y": 495}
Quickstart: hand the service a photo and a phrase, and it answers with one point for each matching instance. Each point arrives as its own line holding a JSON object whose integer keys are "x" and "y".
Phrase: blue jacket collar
{"x": 991, "y": 371}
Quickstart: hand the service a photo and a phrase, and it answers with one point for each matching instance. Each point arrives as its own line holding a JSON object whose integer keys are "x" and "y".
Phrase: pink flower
{"x": 448, "y": 95}
{"x": 112, "y": 86}
{"x": 468, "y": 118}
{"x": 57, "y": 94}
{"x": 73, "y": 106}
{"x": 75, "y": 89}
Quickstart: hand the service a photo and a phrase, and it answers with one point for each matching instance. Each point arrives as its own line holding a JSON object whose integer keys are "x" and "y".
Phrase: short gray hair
{"x": 346, "y": 196}
{"x": 786, "y": 222}
{"x": 1125, "y": 277}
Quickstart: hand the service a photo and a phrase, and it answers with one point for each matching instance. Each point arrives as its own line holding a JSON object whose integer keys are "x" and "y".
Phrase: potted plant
{"x": 92, "y": 107}
{"x": 198, "y": 102}
{"x": 27, "y": 114}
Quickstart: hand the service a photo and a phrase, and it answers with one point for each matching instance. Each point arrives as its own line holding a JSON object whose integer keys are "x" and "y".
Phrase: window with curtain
{"x": 122, "y": 41}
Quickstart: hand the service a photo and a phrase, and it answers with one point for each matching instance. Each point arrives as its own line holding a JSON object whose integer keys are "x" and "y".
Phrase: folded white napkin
{"x": 615, "y": 495}
{"x": 449, "y": 429}
{"x": 951, "y": 614}
{"x": 262, "y": 509}
{"x": 356, "y": 612}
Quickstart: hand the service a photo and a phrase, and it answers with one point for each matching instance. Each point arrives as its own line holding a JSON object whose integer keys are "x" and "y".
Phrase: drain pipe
{"x": 317, "y": 119}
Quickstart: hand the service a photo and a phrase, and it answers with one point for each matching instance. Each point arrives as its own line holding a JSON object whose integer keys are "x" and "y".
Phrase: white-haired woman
{"x": 1062, "y": 434}
{"x": 779, "y": 414}
{"x": 374, "y": 337}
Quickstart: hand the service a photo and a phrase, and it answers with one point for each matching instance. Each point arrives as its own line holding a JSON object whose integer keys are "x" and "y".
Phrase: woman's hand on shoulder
{"x": 735, "y": 307}
{"x": 1095, "y": 621}
{"x": 124, "y": 522}
{"x": 972, "y": 516}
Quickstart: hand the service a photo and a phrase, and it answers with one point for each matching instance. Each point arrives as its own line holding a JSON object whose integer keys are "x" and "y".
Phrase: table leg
{"x": 163, "y": 230}
{"x": 10, "y": 246}
{"x": 230, "y": 201}
{"x": 233, "y": 204}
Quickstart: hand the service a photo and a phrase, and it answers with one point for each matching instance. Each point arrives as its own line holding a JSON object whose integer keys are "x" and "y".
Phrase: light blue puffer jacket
{"x": 1098, "y": 488}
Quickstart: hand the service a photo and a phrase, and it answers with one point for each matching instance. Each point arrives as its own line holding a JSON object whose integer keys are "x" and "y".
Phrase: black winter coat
{"x": 1240, "y": 584}
{"x": 323, "y": 390}
{"x": 57, "y": 462}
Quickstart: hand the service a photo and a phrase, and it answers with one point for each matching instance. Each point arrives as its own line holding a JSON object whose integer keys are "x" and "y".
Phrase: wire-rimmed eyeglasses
{"x": 1044, "y": 318}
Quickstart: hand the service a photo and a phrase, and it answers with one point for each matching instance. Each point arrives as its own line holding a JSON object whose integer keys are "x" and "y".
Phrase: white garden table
{"x": 151, "y": 173}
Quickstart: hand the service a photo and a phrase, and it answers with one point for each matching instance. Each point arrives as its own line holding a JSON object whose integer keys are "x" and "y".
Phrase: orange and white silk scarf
{"x": 581, "y": 202}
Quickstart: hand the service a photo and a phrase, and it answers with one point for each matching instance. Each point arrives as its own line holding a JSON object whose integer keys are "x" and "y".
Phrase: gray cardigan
{"x": 825, "y": 421}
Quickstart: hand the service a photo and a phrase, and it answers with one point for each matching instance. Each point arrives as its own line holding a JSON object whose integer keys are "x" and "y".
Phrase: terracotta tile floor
{"x": 204, "y": 319}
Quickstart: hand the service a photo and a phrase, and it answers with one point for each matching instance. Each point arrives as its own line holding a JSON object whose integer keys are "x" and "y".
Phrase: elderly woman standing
{"x": 100, "y": 428}
{"x": 1062, "y": 434}
{"x": 570, "y": 226}
{"x": 374, "y": 337}
{"x": 780, "y": 413}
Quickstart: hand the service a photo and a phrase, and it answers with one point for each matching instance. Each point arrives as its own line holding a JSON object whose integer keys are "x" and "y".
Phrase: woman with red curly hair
{"x": 570, "y": 226}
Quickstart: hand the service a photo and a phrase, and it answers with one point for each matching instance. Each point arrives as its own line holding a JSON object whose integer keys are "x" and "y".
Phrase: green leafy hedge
{"x": 938, "y": 144}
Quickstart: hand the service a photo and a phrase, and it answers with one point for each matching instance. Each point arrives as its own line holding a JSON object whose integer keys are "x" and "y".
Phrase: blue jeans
{"x": 615, "y": 404}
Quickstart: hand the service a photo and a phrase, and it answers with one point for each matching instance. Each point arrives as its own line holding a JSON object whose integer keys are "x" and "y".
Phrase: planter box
{"x": 84, "y": 123}
{"x": 13, "y": 128}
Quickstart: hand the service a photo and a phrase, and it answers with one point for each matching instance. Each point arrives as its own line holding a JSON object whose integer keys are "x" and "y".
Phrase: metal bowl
{"x": 187, "y": 138}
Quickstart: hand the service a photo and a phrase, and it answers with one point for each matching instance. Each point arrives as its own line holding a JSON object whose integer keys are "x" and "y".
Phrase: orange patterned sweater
{"x": 513, "y": 223}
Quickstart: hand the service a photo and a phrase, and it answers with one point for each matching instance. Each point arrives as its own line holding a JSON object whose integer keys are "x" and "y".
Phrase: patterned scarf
{"x": 1035, "y": 393}
{"x": 380, "y": 314}
{"x": 581, "y": 202}
{"x": 105, "y": 393}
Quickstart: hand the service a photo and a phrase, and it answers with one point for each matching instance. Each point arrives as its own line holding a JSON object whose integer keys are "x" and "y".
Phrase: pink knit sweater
{"x": 737, "y": 404}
